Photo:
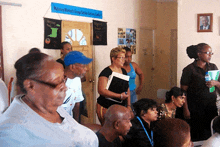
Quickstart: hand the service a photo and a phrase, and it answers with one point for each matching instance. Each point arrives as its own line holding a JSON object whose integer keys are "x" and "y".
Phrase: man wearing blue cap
{"x": 75, "y": 69}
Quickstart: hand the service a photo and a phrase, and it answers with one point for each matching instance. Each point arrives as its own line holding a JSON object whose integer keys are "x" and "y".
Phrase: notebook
{"x": 117, "y": 83}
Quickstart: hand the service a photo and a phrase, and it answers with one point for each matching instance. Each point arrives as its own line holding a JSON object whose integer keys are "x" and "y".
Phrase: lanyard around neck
{"x": 150, "y": 139}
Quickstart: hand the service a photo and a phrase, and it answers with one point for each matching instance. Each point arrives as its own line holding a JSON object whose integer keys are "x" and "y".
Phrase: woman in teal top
{"x": 132, "y": 69}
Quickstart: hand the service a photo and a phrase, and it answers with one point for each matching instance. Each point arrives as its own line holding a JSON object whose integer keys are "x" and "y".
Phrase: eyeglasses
{"x": 208, "y": 53}
{"x": 122, "y": 58}
{"x": 49, "y": 84}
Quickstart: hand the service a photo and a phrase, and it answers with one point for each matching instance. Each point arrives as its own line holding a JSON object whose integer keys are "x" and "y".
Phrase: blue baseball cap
{"x": 76, "y": 57}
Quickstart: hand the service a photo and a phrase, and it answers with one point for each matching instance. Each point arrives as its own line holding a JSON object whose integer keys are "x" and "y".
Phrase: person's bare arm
{"x": 129, "y": 98}
{"x": 186, "y": 112}
{"x": 76, "y": 111}
{"x": 140, "y": 74}
{"x": 102, "y": 83}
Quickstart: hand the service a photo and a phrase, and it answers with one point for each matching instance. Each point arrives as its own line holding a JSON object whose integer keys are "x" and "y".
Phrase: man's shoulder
{"x": 75, "y": 82}
{"x": 105, "y": 143}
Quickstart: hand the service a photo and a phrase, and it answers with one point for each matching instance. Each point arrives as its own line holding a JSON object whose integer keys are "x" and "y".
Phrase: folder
{"x": 117, "y": 83}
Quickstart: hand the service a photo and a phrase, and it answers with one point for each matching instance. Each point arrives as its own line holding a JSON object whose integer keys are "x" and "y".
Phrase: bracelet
{"x": 121, "y": 96}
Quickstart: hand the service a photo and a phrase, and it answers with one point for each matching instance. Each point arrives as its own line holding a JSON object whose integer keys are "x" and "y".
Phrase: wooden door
{"x": 156, "y": 74}
{"x": 173, "y": 58}
{"x": 79, "y": 35}
{"x": 147, "y": 62}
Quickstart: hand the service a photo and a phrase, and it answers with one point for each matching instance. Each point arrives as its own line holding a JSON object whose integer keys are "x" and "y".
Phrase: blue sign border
{"x": 73, "y": 10}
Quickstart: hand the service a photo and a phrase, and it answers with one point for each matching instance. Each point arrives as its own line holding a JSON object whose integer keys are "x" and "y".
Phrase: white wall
{"x": 23, "y": 27}
{"x": 187, "y": 30}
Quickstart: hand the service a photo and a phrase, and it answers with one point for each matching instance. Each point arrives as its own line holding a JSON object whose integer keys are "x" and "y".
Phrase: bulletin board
{"x": 127, "y": 38}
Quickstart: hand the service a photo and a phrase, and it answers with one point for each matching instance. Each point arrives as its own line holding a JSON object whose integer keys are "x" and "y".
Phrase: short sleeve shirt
{"x": 101, "y": 99}
{"x": 105, "y": 143}
{"x": 194, "y": 77}
{"x": 73, "y": 94}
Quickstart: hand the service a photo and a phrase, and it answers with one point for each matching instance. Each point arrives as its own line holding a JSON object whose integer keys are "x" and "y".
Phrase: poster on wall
{"x": 127, "y": 38}
{"x": 99, "y": 33}
{"x": 52, "y": 33}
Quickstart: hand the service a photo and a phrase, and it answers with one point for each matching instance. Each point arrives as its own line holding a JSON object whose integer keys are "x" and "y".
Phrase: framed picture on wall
{"x": 204, "y": 22}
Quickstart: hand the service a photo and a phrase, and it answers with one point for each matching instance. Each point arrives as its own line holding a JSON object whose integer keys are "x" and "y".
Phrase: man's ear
{"x": 61, "y": 51}
{"x": 72, "y": 67}
{"x": 116, "y": 124}
{"x": 28, "y": 85}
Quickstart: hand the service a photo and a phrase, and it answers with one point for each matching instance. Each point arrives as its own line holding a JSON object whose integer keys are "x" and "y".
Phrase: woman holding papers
{"x": 117, "y": 95}
{"x": 200, "y": 106}
{"x": 133, "y": 69}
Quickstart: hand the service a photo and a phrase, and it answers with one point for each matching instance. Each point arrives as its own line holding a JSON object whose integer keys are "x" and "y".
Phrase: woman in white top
{"x": 37, "y": 118}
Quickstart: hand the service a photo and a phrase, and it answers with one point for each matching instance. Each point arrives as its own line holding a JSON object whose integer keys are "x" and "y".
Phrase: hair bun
{"x": 192, "y": 51}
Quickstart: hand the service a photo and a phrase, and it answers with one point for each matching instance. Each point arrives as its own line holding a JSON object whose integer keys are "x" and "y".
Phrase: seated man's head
{"x": 76, "y": 62}
{"x": 118, "y": 118}
{"x": 146, "y": 109}
{"x": 172, "y": 132}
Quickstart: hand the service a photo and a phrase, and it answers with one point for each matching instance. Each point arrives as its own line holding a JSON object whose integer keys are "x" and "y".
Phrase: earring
{"x": 173, "y": 101}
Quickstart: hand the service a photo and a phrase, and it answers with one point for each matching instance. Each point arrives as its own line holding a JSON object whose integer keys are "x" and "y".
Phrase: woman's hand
{"x": 138, "y": 90}
{"x": 124, "y": 95}
{"x": 211, "y": 83}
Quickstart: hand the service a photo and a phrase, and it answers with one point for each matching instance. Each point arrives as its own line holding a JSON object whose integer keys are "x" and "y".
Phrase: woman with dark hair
{"x": 36, "y": 118}
{"x": 65, "y": 48}
{"x": 34, "y": 50}
{"x": 200, "y": 106}
{"x": 141, "y": 134}
{"x": 172, "y": 132}
{"x": 133, "y": 69}
{"x": 174, "y": 98}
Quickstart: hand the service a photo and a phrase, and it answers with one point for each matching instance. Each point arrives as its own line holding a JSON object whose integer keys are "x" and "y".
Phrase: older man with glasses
{"x": 75, "y": 69}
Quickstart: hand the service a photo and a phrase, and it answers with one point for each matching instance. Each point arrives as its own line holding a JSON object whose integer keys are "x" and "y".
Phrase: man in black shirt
{"x": 117, "y": 122}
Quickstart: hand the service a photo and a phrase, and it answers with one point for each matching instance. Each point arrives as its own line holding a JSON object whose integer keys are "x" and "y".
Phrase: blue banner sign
{"x": 73, "y": 10}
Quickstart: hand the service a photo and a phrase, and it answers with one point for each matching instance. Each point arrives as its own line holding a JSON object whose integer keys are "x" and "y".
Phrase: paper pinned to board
{"x": 214, "y": 74}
